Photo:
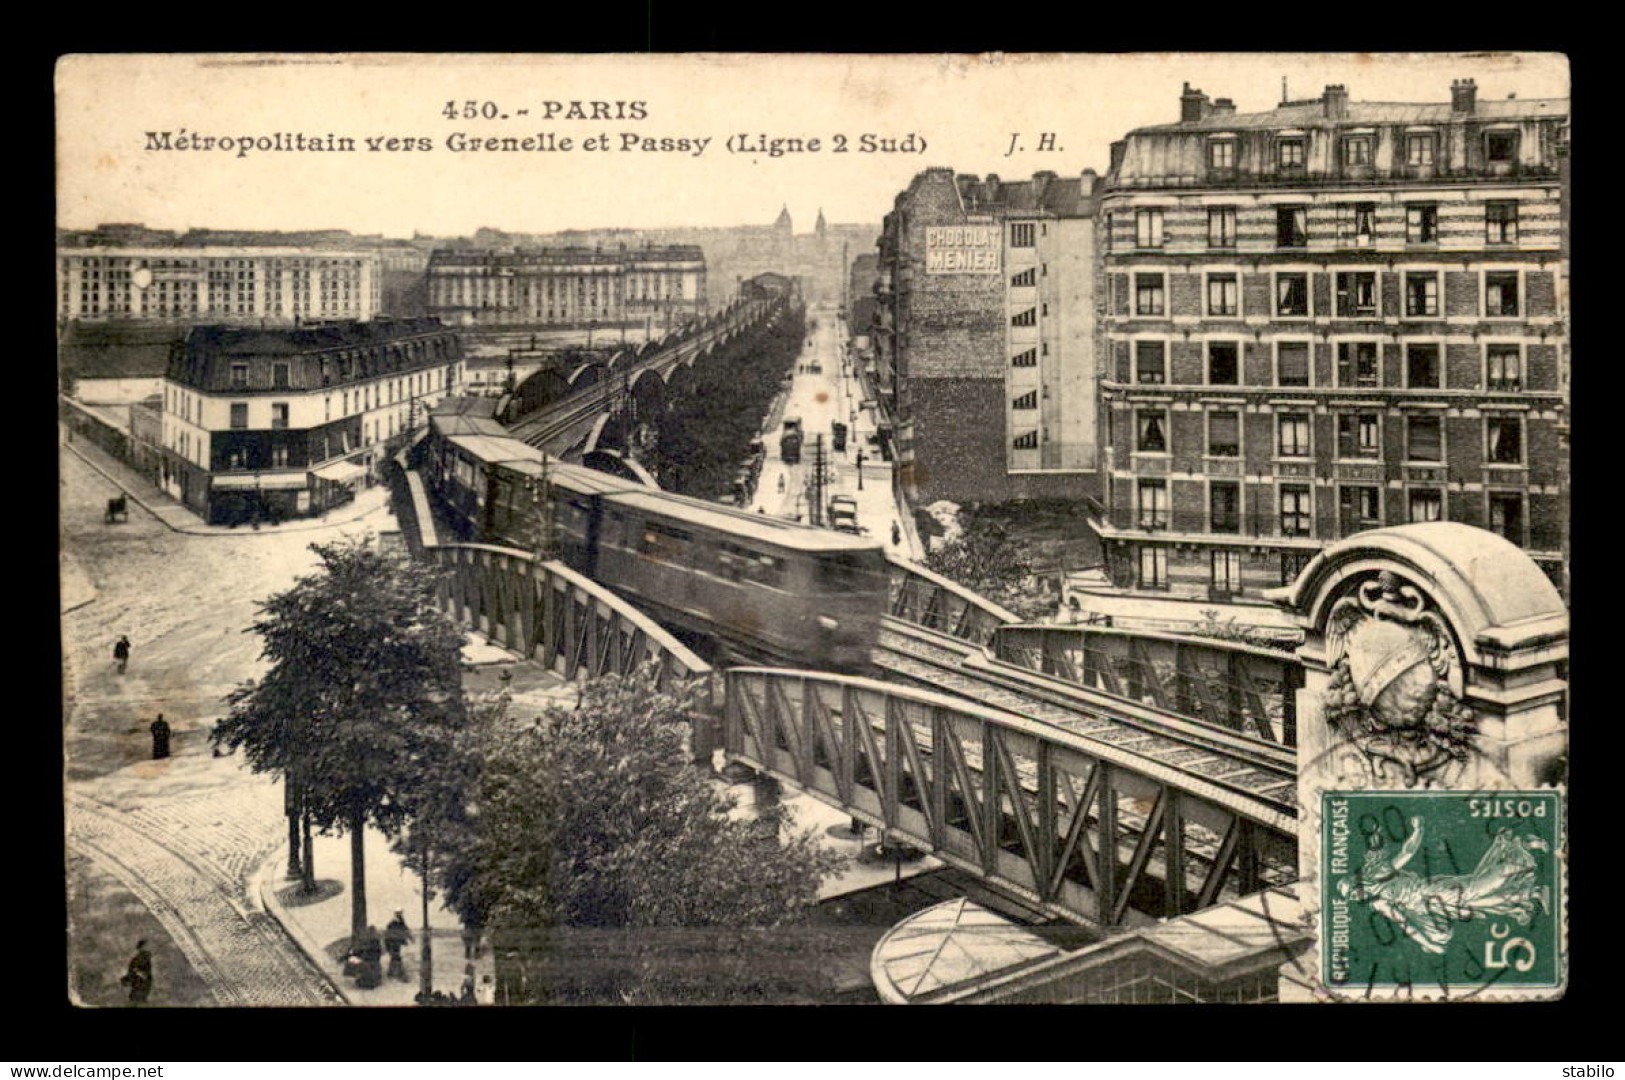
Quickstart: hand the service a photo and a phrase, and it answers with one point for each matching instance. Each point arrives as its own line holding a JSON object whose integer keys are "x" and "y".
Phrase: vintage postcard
{"x": 804, "y": 529}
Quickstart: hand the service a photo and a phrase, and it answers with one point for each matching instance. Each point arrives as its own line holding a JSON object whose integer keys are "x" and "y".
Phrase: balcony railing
{"x": 1280, "y": 526}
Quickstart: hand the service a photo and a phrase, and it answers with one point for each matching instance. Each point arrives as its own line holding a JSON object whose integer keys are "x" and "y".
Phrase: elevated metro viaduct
{"x": 1111, "y": 778}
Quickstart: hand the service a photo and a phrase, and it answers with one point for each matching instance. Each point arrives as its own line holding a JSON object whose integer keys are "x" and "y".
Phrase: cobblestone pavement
{"x": 185, "y": 835}
{"x": 192, "y": 875}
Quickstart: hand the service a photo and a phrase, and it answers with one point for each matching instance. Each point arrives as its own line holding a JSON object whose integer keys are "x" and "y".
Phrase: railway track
{"x": 237, "y": 950}
{"x": 1256, "y": 770}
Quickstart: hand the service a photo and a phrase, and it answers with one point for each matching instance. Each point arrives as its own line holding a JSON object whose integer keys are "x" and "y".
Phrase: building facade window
{"x": 1026, "y": 279}
{"x": 1153, "y": 567}
{"x": 1503, "y": 367}
{"x": 1421, "y": 224}
{"x": 1422, "y": 367}
{"x": 1359, "y": 435}
{"x": 1224, "y": 506}
{"x": 1223, "y": 363}
{"x": 1292, "y": 363}
{"x": 1289, "y": 153}
{"x": 1357, "y": 150}
{"x": 1029, "y": 400}
{"x": 1292, "y": 435}
{"x": 1359, "y": 508}
{"x": 1148, "y": 228}
{"x": 1022, "y": 234}
{"x": 1424, "y": 504}
{"x": 1221, "y": 154}
{"x": 1501, "y": 222}
{"x": 1296, "y": 504}
{"x": 1224, "y": 434}
{"x": 1501, "y": 294}
{"x": 1151, "y": 435}
{"x": 1292, "y": 295}
{"x": 1293, "y": 564}
{"x": 1221, "y": 226}
{"x": 1226, "y": 570}
{"x": 1356, "y": 224}
{"x": 1503, "y": 440}
{"x": 1419, "y": 150}
{"x": 1026, "y": 441}
{"x": 1291, "y": 226}
{"x": 1150, "y": 362}
{"x": 1501, "y": 147}
{"x": 239, "y": 376}
{"x": 1424, "y": 439}
{"x": 1357, "y": 294}
{"x": 1028, "y": 358}
{"x": 1149, "y": 294}
{"x": 279, "y": 414}
{"x": 239, "y": 415}
{"x": 1357, "y": 364}
{"x": 1506, "y": 515}
{"x": 1153, "y": 504}
{"x": 1421, "y": 294}
{"x": 1025, "y": 318}
{"x": 1223, "y": 295}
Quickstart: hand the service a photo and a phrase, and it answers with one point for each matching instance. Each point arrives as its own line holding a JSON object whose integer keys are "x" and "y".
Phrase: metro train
{"x": 769, "y": 590}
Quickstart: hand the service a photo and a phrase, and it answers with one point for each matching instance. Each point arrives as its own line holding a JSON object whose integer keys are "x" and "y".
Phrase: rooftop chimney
{"x": 1223, "y": 107}
{"x": 1336, "y": 102}
{"x": 1463, "y": 96}
{"x": 1192, "y": 105}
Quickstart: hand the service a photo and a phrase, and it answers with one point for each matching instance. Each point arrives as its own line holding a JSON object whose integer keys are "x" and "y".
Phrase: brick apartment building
{"x": 1325, "y": 318}
{"x": 984, "y": 337}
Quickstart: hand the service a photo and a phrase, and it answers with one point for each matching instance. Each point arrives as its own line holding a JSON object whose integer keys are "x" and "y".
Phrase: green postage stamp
{"x": 1452, "y": 891}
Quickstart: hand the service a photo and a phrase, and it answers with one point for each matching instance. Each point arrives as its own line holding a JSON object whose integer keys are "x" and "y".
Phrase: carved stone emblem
{"x": 1393, "y": 662}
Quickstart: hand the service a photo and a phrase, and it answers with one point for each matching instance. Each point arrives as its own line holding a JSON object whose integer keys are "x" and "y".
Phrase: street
{"x": 821, "y": 399}
{"x": 184, "y": 835}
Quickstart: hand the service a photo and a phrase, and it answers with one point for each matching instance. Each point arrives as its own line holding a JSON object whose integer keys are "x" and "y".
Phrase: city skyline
{"x": 967, "y": 108}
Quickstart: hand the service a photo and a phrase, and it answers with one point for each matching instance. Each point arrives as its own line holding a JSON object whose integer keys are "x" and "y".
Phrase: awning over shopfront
{"x": 340, "y": 472}
{"x": 260, "y": 482}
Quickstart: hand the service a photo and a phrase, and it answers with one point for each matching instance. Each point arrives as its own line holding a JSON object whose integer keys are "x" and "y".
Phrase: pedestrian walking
{"x": 121, "y": 653}
{"x": 466, "y": 995}
{"x": 138, "y": 976}
{"x": 896, "y": 534}
{"x": 396, "y": 935}
{"x": 160, "y": 738}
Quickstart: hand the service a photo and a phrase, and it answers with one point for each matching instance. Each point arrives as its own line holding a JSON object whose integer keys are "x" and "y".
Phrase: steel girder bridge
{"x": 1105, "y": 809}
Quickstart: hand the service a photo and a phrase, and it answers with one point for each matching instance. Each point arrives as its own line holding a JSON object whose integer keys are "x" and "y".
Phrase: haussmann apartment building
{"x": 1325, "y": 318}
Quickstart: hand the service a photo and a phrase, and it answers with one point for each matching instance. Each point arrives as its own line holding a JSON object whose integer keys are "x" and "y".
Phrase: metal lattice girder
{"x": 1069, "y": 823}
{"x": 1231, "y": 685}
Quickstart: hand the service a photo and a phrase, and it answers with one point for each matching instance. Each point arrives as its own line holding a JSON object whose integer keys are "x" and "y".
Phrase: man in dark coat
{"x": 396, "y": 935}
{"x": 160, "y": 738}
{"x": 138, "y": 976}
{"x": 121, "y": 653}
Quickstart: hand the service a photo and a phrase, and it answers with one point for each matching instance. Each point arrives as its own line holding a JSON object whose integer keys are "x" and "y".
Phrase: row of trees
{"x": 580, "y": 820}
{"x": 703, "y": 435}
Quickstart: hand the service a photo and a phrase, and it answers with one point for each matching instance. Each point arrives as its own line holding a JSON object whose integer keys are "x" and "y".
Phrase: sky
{"x": 963, "y": 108}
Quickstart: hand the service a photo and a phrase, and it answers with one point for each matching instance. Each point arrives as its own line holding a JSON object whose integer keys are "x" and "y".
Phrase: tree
{"x": 987, "y": 560}
{"x": 363, "y": 700}
{"x": 608, "y": 868}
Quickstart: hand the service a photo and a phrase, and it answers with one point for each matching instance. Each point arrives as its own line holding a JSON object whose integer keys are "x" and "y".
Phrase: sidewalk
{"x": 320, "y": 924}
{"x": 161, "y": 505}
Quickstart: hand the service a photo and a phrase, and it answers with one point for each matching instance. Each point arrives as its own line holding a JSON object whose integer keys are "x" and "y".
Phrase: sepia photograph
{"x": 754, "y": 529}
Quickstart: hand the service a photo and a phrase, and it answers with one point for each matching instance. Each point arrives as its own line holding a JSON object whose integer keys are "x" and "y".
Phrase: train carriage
{"x": 771, "y": 590}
